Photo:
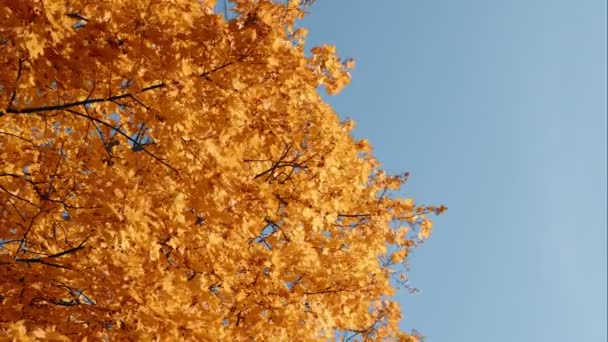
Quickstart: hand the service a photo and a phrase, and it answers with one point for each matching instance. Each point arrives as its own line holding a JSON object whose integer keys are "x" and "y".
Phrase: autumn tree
{"x": 167, "y": 173}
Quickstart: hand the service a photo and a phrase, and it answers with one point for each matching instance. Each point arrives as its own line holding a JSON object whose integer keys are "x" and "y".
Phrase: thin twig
{"x": 119, "y": 131}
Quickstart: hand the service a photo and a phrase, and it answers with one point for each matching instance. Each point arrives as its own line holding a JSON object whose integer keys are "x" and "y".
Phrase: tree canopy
{"x": 168, "y": 173}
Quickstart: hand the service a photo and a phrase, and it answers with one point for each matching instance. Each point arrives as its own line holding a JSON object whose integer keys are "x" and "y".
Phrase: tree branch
{"x": 119, "y": 131}
{"x": 29, "y": 110}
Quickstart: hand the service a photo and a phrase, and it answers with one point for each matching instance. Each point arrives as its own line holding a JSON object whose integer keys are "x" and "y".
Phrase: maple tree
{"x": 169, "y": 173}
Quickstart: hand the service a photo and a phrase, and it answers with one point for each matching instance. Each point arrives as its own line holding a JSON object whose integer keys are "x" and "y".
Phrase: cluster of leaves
{"x": 169, "y": 173}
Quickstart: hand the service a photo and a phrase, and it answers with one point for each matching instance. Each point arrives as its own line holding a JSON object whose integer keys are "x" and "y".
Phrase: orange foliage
{"x": 167, "y": 173}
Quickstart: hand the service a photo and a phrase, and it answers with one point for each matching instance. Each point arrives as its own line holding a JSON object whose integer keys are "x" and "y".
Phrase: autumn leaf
{"x": 170, "y": 174}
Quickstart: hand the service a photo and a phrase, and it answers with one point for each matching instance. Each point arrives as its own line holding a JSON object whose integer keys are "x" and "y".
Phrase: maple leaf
{"x": 168, "y": 173}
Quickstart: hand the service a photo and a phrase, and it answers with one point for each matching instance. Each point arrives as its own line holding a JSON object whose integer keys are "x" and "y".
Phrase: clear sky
{"x": 498, "y": 109}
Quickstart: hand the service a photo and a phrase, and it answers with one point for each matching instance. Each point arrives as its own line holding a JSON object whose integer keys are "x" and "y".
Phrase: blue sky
{"x": 498, "y": 109}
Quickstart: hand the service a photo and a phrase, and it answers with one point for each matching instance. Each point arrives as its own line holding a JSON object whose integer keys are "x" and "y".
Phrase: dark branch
{"x": 14, "y": 93}
{"x": 41, "y": 261}
{"x": 119, "y": 131}
{"x": 17, "y": 196}
{"x": 29, "y": 110}
{"x": 354, "y": 215}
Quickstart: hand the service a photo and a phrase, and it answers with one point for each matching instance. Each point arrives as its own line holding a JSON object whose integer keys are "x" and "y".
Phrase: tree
{"x": 169, "y": 173}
